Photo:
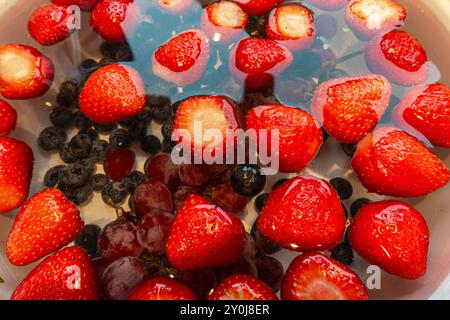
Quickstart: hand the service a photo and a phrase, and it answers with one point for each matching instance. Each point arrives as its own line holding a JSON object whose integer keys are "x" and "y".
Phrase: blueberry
{"x": 106, "y": 61}
{"x": 80, "y": 120}
{"x": 88, "y": 164}
{"x": 175, "y": 106}
{"x": 98, "y": 182}
{"x": 109, "y": 49}
{"x": 68, "y": 93}
{"x": 124, "y": 53}
{"x": 53, "y": 175}
{"x": 133, "y": 180}
{"x": 161, "y": 108}
{"x": 120, "y": 138}
{"x": 263, "y": 244}
{"x": 279, "y": 183}
{"x": 75, "y": 175}
{"x": 349, "y": 149}
{"x": 90, "y": 132}
{"x": 52, "y": 138}
{"x": 81, "y": 145}
{"x": 260, "y": 201}
{"x": 247, "y": 180}
{"x": 343, "y": 253}
{"x": 151, "y": 144}
{"x": 61, "y": 117}
{"x": 358, "y": 204}
{"x": 168, "y": 145}
{"x": 343, "y": 187}
{"x": 88, "y": 66}
{"x": 100, "y": 149}
{"x": 114, "y": 192}
{"x": 65, "y": 153}
{"x": 105, "y": 128}
{"x": 88, "y": 239}
{"x": 138, "y": 130}
{"x": 331, "y": 74}
{"x": 80, "y": 196}
{"x": 167, "y": 129}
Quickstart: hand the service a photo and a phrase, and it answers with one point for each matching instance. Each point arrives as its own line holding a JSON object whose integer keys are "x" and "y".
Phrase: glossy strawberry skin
{"x": 46, "y": 222}
{"x": 258, "y": 7}
{"x": 9, "y": 118}
{"x": 66, "y": 275}
{"x": 314, "y": 276}
{"x": 16, "y": 169}
{"x": 112, "y": 93}
{"x": 162, "y": 288}
{"x": 303, "y": 214}
{"x": 350, "y": 107}
{"x": 426, "y": 109}
{"x": 300, "y": 136}
{"x": 242, "y": 287}
{"x": 392, "y": 235}
{"x": 391, "y": 162}
{"x": 85, "y": 5}
{"x": 204, "y": 236}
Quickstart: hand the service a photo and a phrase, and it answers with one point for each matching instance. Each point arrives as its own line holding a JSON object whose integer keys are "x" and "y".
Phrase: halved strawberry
{"x": 162, "y": 288}
{"x": 175, "y": 6}
{"x": 242, "y": 287}
{"x": 9, "y": 118}
{"x": 300, "y": 136}
{"x": 399, "y": 56}
{"x": 85, "y": 5}
{"x": 368, "y": 18}
{"x": 204, "y": 235}
{"x": 350, "y": 107}
{"x": 16, "y": 169}
{"x": 224, "y": 20}
{"x": 49, "y": 24}
{"x": 258, "y": 7}
{"x": 293, "y": 25}
{"x": 314, "y": 276}
{"x": 183, "y": 58}
{"x": 329, "y": 5}
{"x": 114, "y": 19}
{"x": 426, "y": 109}
{"x": 46, "y": 222}
{"x": 303, "y": 214}
{"x": 112, "y": 93}
{"x": 25, "y": 73}
{"x": 66, "y": 275}
{"x": 392, "y": 235}
{"x": 256, "y": 61}
{"x": 391, "y": 162}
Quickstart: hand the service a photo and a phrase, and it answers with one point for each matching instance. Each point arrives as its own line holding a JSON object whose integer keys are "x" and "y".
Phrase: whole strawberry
{"x": 204, "y": 236}
{"x": 258, "y": 7}
{"x": 65, "y": 275}
{"x": 242, "y": 287}
{"x": 16, "y": 168}
{"x": 85, "y": 5}
{"x": 112, "y": 93}
{"x": 391, "y": 162}
{"x": 350, "y": 107}
{"x": 162, "y": 288}
{"x": 300, "y": 136}
{"x": 314, "y": 276}
{"x": 303, "y": 214}
{"x": 392, "y": 235}
{"x": 9, "y": 118}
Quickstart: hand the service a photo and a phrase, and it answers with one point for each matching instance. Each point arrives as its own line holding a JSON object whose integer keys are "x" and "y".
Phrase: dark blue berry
{"x": 88, "y": 66}
{"x": 263, "y": 244}
{"x": 114, "y": 192}
{"x": 100, "y": 149}
{"x": 80, "y": 196}
{"x": 52, "y": 138}
{"x": 358, "y": 204}
{"x": 349, "y": 149}
{"x": 120, "y": 138}
{"x": 343, "y": 253}
{"x": 124, "y": 53}
{"x": 279, "y": 183}
{"x": 81, "y": 145}
{"x": 106, "y": 61}
{"x": 61, "y": 117}
{"x": 105, "y": 128}
{"x": 138, "y": 130}
{"x": 68, "y": 93}
{"x": 98, "y": 182}
{"x": 88, "y": 164}
{"x": 161, "y": 108}
{"x": 88, "y": 239}
{"x": 167, "y": 129}
{"x": 53, "y": 175}
{"x": 260, "y": 201}
{"x": 247, "y": 180}
{"x": 74, "y": 175}
{"x": 65, "y": 153}
{"x": 133, "y": 180}
{"x": 168, "y": 145}
{"x": 109, "y": 49}
{"x": 343, "y": 187}
{"x": 80, "y": 121}
{"x": 90, "y": 132}
{"x": 151, "y": 144}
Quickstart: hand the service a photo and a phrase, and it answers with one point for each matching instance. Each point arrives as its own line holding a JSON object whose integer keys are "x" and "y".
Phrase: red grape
{"x": 119, "y": 163}
{"x": 151, "y": 195}
{"x": 181, "y": 195}
{"x": 200, "y": 281}
{"x": 271, "y": 271}
{"x": 193, "y": 175}
{"x": 162, "y": 169}
{"x": 153, "y": 229}
{"x": 224, "y": 196}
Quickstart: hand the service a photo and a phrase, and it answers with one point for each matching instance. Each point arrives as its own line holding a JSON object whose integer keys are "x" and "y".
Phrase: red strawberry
{"x": 112, "y": 93}
{"x": 224, "y": 20}
{"x": 46, "y": 222}
{"x": 242, "y": 287}
{"x": 426, "y": 109}
{"x": 399, "y": 56}
{"x": 16, "y": 168}
{"x": 66, "y": 275}
{"x": 25, "y": 73}
{"x": 49, "y": 24}
{"x": 175, "y": 6}
{"x": 313, "y": 276}
{"x": 394, "y": 163}
{"x": 351, "y": 107}
{"x": 368, "y": 18}
{"x": 303, "y": 214}
{"x": 258, "y": 7}
{"x": 114, "y": 19}
{"x": 292, "y": 25}
{"x": 183, "y": 58}
{"x": 162, "y": 288}
{"x": 256, "y": 61}
{"x": 85, "y": 5}
{"x": 224, "y": 196}
{"x": 9, "y": 118}
{"x": 300, "y": 137}
{"x": 204, "y": 236}
{"x": 392, "y": 235}
{"x": 329, "y": 5}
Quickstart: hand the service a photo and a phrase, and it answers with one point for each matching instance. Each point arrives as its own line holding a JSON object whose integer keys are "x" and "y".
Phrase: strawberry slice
{"x": 394, "y": 163}
{"x": 47, "y": 222}
{"x": 426, "y": 109}
{"x": 258, "y": 7}
{"x": 162, "y": 288}
{"x": 25, "y": 73}
{"x": 183, "y": 58}
{"x": 350, "y": 107}
{"x": 9, "y": 118}
{"x": 313, "y": 276}
{"x": 66, "y": 275}
{"x": 392, "y": 235}
{"x": 85, "y": 5}
{"x": 292, "y": 25}
{"x": 329, "y": 5}
{"x": 242, "y": 287}
{"x": 204, "y": 235}
{"x": 257, "y": 61}
{"x": 175, "y": 6}
{"x": 368, "y": 18}
{"x": 16, "y": 169}
{"x": 112, "y": 93}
